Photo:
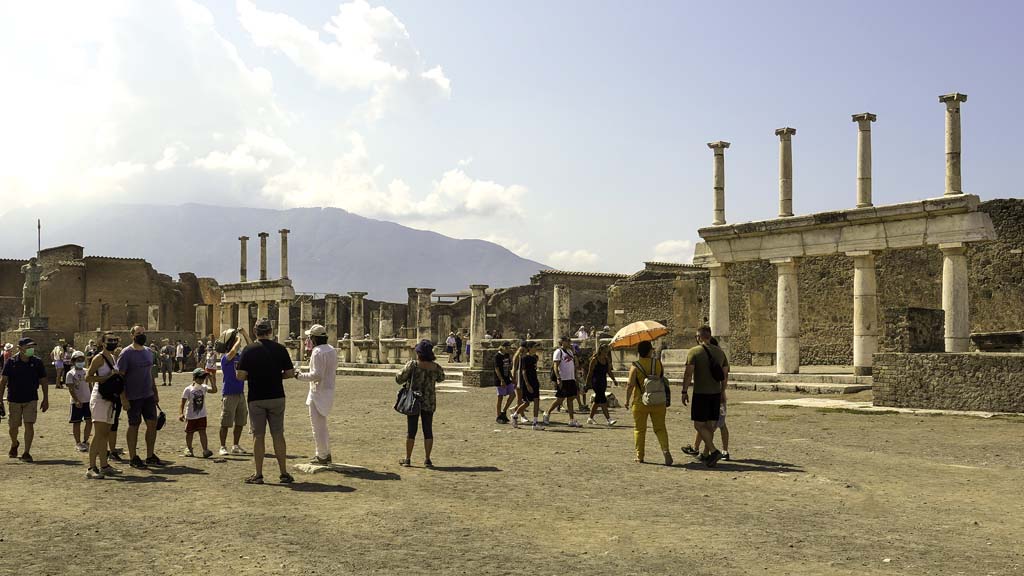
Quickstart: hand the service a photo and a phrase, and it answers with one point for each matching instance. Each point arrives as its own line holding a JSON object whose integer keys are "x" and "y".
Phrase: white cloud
{"x": 169, "y": 158}
{"x": 516, "y": 245}
{"x": 680, "y": 251}
{"x": 573, "y": 259}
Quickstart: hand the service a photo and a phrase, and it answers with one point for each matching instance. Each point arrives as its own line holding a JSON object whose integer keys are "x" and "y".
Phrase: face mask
{"x": 80, "y": 365}
{"x": 140, "y": 339}
{"x": 30, "y": 352}
{"x": 111, "y": 346}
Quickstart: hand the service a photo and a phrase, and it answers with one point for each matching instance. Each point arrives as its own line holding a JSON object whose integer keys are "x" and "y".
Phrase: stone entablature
{"x": 257, "y": 291}
{"x": 931, "y": 222}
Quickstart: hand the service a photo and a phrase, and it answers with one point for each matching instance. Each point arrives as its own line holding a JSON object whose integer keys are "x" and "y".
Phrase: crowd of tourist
{"x": 107, "y": 379}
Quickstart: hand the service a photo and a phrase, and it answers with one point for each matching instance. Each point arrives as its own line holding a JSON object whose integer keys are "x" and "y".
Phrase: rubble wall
{"x": 990, "y": 382}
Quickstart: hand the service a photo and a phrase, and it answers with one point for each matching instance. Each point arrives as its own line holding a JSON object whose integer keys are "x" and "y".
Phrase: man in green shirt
{"x": 708, "y": 391}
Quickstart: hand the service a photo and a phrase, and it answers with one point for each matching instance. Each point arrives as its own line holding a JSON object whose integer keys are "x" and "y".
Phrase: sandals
{"x": 254, "y": 479}
{"x": 404, "y": 462}
{"x": 286, "y": 478}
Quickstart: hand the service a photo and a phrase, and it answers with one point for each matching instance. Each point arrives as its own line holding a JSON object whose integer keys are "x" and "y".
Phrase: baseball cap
{"x": 26, "y": 342}
{"x": 316, "y": 330}
{"x": 198, "y": 373}
{"x": 78, "y": 354}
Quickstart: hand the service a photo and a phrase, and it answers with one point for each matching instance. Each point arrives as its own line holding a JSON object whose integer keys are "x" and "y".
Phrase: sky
{"x": 573, "y": 133}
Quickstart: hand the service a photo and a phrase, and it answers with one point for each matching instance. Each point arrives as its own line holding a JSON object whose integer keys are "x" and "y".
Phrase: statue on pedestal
{"x": 30, "y": 290}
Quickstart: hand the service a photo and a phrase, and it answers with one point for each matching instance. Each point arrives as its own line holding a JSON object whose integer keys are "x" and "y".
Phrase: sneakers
{"x": 574, "y": 424}
{"x": 154, "y": 461}
{"x": 725, "y": 456}
{"x": 611, "y": 422}
{"x": 109, "y": 470}
{"x": 188, "y": 452}
{"x": 236, "y": 449}
{"x": 523, "y": 419}
{"x": 538, "y": 426}
{"x": 207, "y": 453}
{"x": 94, "y": 474}
{"x": 286, "y": 478}
{"x": 547, "y": 419}
{"x": 223, "y": 451}
{"x": 713, "y": 459}
{"x": 591, "y": 421}
{"x": 138, "y": 464}
{"x": 325, "y": 461}
{"x": 688, "y": 449}
{"x": 501, "y": 419}
{"x": 13, "y": 452}
{"x": 114, "y": 455}
{"x": 515, "y": 422}
{"x": 26, "y": 457}
{"x": 82, "y": 447}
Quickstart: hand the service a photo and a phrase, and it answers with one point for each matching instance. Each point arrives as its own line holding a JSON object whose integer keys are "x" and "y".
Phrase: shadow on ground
{"x": 748, "y": 465}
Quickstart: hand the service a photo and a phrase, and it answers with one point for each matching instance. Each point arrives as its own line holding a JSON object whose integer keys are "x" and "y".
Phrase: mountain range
{"x": 329, "y": 249}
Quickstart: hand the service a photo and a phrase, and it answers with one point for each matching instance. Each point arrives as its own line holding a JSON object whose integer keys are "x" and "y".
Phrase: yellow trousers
{"x": 640, "y": 414}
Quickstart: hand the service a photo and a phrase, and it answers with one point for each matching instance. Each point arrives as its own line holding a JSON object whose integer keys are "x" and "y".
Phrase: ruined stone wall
{"x": 10, "y": 312}
{"x": 679, "y": 302}
{"x": 129, "y": 285}
{"x": 972, "y": 381}
{"x": 912, "y": 330}
{"x": 11, "y": 278}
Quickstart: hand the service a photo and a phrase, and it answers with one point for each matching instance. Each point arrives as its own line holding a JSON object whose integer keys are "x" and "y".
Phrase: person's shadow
{"x": 746, "y": 465}
{"x": 466, "y": 469}
{"x": 316, "y": 487}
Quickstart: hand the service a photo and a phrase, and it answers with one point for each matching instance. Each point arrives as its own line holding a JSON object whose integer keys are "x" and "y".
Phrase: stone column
{"x": 477, "y": 323}
{"x": 953, "y": 183}
{"x": 387, "y": 321}
{"x": 284, "y": 252}
{"x": 153, "y": 318}
{"x": 864, "y": 158}
{"x": 561, "y": 313}
{"x": 263, "y": 255}
{"x": 83, "y": 316}
{"x": 865, "y": 312}
{"x": 305, "y": 321}
{"x": 202, "y": 327}
{"x": 228, "y": 316}
{"x": 356, "y": 324}
{"x": 410, "y": 313}
{"x": 105, "y": 316}
{"x": 719, "y": 175}
{"x": 423, "y": 323}
{"x": 331, "y": 318}
{"x": 787, "y": 332}
{"x": 785, "y": 170}
{"x": 718, "y": 305}
{"x": 954, "y": 297}
{"x": 284, "y": 320}
{"x": 263, "y": 309}
{"x": 244, "y": 258}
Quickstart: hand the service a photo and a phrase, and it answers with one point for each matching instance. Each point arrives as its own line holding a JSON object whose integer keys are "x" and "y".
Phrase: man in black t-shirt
{"x": 21, "y": 377}
{"x": 265, "y": 364}
{"x": 503, "y": 381}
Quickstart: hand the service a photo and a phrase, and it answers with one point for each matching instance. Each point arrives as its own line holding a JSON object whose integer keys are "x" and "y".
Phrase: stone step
{"x": 387, "y": 371}
{"x": 772, "y": 378}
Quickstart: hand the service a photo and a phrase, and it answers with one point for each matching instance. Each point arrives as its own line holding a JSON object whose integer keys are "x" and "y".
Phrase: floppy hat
{"x": 425, "y": 349}
{"x": 316, "y": 330}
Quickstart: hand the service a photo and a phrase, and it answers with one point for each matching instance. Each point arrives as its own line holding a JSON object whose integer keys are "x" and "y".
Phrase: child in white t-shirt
{"x": 80, "y": 392}
{"x": 193, "y": 410}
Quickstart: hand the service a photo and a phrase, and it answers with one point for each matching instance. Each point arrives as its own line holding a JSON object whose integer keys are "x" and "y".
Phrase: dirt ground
{"x": 808, "y": 492}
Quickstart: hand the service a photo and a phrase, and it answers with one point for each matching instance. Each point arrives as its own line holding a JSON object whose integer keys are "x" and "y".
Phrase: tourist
{"x": 323, "y": 365}
{"x": 69, "y": 350}
{"x": 524, "y": 366}
{"x": 421, "y": 376}
{"x": 90, "y": 350}
{"x": 8, "y": 352}
{"x": 57, "y": 359}
{"x": 567, "y": 390}
{"x": 179, "y": 357}
{"x": 645, "y": 367}
{"x": 140, "y": 398}
{"x": 581, "y": 333}
{"x": 193, "y": 410}
{"x": 466, "y": 341}
{"x": 702, "y": 362}
{"x": 506, "y": 387}
{"x": 694, "y": 449}
{"x": 449, "y": 346}
{"x": 605, "y": 332}
{"x": 210, "y": 364}
{"x": 234, "y": 412}
{"x": 186, "y": 352}
{"x": 265, "y": 364}
{"x": 22, "y": 376}
{"x": 80, "y": 393}
{"x": 598, "y": 372}
{"x": 458, "y": 346}
{"x": 200, "y": 353}
{"x": 105, "y": 411}
{"x": 155, "y": 369}
{"x": 167, "y": 354}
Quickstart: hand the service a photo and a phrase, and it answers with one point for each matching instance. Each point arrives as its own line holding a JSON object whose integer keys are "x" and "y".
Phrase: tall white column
{"x": 718, "y": 305}
{"x": 719, "y": 178}
{"x": 263, "y": 309}
{"x": 787, "y": 331}
{"x": 561, "y": 312}
{"x": 331, "y": 317}
{"x": 263, "y": 255}
{"x": 952, "y": 101}
{"x": 865, "y": 312}
{"x": 955, "y": 302}
{"x": 284, "y": 251}
{"x": 356, "y": 324}
{"x": 785, "y": 170}
{"x": 864, "y": 158}
{"x": 423, "y": 320}
{"x": 244, "y": 256}
{"x": 284, "y": 321}
{"x": 477, "y": 323}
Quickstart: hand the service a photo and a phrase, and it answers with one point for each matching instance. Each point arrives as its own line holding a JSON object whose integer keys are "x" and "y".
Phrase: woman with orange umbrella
{"x": 647, "y": 389}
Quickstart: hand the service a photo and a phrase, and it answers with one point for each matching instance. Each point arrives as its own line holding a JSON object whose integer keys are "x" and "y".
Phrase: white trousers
{"x": 320, "y": 438}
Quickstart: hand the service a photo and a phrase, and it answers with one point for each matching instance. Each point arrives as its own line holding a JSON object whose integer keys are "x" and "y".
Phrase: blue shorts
{"x": 80, "y": 414}
{"x": 507, "y": 389}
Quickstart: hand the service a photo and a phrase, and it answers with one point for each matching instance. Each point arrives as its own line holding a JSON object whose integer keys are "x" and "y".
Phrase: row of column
{"x": 955, "y": 305}
{"x": 954, "y": 184}
{"x": 244, "y": 255}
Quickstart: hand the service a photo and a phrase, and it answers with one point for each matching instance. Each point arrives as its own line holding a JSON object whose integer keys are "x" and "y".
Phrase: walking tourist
{"x": 167, "y": 355}
{"x": 8, "y": 352}
{"x": 647, "y": 403}
{"x": 210, "y": 364}
{"x": 707, "y": 368}
{"x": 597, "y": 379}
{"x": 694, "y": 449}
{"x": 323, "y": 365}
{"x": 140, "y": 398}
{"x": 80, "y": 393}
{"x": 57, "y": 359}
{"x": 524, "y": 366}
{"x": 234, "y": 411}
{"x": 193, "y": 411}
{"x": 265, "y": 364}
{"x": 421, "y": 376}
{"x": 179, "y": 357}
{"x": 506, "y": 387}
{"x": 449, "y": 346}
{"x": 567, "y": 390}
{"x": 105, "y": 410}
{"x": 582, "y": 333}
{"x": 22, "y": 377}
{"x": 68, "y": 364}
{"x": 458, "y": 347}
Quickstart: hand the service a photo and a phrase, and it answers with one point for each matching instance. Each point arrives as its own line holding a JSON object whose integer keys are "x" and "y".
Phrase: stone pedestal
{"x": 955, "y": 297}
{"x": 33, "y": 323}
{"x": 787, "y": 335}
{"x": 477, "y": 320}
{"x": 865, "y": 312}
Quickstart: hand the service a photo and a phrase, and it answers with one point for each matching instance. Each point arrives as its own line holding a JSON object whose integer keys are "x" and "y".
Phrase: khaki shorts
{"x": 233, "y": 410}
{"x": 22, "y": 412}
{"x": 264, "y": 412}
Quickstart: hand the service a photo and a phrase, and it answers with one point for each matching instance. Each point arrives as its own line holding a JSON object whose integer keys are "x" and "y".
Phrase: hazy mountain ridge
{"x": 329, "y": 249}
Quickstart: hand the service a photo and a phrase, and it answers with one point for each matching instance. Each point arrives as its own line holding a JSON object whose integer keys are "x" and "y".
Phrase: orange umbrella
{"x": 633, "y": 334}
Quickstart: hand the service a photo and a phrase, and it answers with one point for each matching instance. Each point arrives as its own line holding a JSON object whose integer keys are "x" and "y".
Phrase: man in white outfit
{"x": 323, "y": 363}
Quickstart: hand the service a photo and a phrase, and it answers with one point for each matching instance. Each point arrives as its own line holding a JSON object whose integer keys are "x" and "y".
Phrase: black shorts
{"x": 706, "y": 407}
{"x": 525, "y": 395}
{"x": 145, "y": 409}
{"x": 600, "y": 392}
{"x": 567, "y": 389}
{"x": 79, "y": 414}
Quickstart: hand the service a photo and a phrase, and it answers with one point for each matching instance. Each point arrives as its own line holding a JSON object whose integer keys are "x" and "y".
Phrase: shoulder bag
{"x": 409, "y": 402}
{"x": 112, "y": 387}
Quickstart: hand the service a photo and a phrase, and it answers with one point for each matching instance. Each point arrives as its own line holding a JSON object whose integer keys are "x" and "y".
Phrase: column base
{"x": 862, "y": 370}
{"x": 958, "y": 344}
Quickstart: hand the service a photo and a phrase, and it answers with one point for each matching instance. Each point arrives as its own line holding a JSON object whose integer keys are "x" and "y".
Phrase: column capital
{"x": 243, "y": 238}
{"x": 864, "y": 118}
{"x": 478, "y": 287}
{"x": 719, "y": 145}
{"x": 284, "y": 231}
{"x": 859, "y": 253}
{"x": 953, "y": 248}
{"x": 357, "y": 294}
{"x": 953, "y": 100}
{"x": 263, "y": 234}
{"x": 425, "y": 291}
{"x": 784, "y": 133}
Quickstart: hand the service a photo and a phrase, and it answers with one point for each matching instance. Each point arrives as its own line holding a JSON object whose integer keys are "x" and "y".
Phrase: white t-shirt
{"x": 195, "y": 401}
{"x": 566, "y": 368}
{"x": 211, "y": 360}
{"x": 180, "y": 351}
{"x": 75, "y": 381}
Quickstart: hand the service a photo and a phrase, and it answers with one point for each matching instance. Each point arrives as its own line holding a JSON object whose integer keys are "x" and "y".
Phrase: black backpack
{"x": 716, "y": 369}
{"x": 111, "y": 388}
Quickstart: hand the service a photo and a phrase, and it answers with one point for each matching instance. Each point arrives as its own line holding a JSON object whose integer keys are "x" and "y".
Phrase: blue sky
{"x": 573, "y": 133}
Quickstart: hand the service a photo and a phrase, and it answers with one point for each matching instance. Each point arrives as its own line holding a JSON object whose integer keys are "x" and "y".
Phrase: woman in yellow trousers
{"x": 634, "y": 392}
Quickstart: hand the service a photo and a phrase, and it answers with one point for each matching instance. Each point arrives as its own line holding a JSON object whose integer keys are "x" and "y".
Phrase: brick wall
{"x": 973, "y": 381}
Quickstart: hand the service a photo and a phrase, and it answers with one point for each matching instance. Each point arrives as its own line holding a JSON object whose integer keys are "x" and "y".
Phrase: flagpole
{"x": 39, "y": 236}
